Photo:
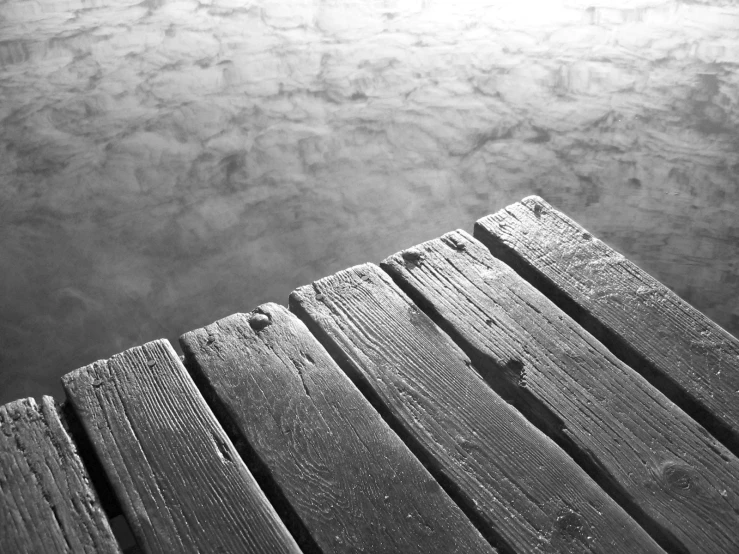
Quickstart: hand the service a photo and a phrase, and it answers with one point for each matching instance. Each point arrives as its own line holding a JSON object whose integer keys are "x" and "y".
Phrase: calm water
{"x": 166, "y": 163}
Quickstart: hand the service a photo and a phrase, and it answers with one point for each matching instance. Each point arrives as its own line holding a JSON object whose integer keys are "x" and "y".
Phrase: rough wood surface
{"x": 340, "y": 470}
{"x": 676, "y": 479}
{"x": 521, "y": 489}
{"x": 179, "y": 480}
{"x": 691, "y": 359}
{"x": 46, "y": 502}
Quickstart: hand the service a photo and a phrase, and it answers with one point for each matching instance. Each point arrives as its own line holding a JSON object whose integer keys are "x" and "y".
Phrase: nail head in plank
{"x": 178, "y": 478}
{"x": 523, "y": 491}
{"x": 678, "y": 481}
{"x": 347, "y": 476}
{"x": 689, "y": 357}
{"x": 46, "y": 501}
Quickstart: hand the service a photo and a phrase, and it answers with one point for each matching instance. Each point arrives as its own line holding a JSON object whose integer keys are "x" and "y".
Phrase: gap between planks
{"x": 545, "y": 363}
{"x": 691, "y": 359}
{"x": 521, "y": 488}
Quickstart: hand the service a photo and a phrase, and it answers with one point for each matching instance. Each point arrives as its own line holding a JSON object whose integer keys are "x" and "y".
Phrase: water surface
{"x": 167, "y": 163}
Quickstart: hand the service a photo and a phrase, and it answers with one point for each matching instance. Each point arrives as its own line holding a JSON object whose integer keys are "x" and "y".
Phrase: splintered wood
{"x": 522, "y": 489}
{"x": 679, "y": 482}
{"x": 181, "y": 484}
{"x": 690, "y": 358}
{"x": 347, "y": 477}
{"x": 46, "y": 501}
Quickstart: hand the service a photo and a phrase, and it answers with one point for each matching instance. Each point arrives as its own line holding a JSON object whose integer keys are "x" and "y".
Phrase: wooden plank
{"x": 179, "y": 480}
{"x": 522, "y": 490}
{"x": 677, "y": 480}
{"x": 682, "y": 352}
{"x": 335, "y": 464}
{"x": 46, "y": 502}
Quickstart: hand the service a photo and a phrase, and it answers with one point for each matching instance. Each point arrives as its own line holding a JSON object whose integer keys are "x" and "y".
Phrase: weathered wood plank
{"x": 179, "y": 480}
{"x": 348, "y": 478}
{"x": 46, "y": 502}
{"x": 522, "y": 490}
{"x": 690, "y": 358}
{"x": 676, "y": 479}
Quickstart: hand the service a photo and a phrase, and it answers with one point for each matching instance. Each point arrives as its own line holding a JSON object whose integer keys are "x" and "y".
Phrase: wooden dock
{"x": 525, "y": 390}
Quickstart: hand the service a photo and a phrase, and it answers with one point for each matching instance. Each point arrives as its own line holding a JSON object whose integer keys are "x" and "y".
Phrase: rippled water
{"x": 167, "y": 163}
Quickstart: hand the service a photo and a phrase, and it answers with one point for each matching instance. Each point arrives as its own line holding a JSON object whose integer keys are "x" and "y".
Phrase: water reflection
{"x": 166, "y": 163}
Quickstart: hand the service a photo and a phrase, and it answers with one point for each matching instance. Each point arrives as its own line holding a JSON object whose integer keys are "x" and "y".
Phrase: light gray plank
{"x": 686, "y": 355}
{"x": 178, "y": 478}
{"x": 524, "y": 492}
{"x": 46, "y": 502}
{"x": 678, "y": 481}
{"x": 343, "y": 475}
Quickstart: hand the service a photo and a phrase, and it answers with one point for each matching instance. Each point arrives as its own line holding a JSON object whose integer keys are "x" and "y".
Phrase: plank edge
{"x": 617, "y": 345}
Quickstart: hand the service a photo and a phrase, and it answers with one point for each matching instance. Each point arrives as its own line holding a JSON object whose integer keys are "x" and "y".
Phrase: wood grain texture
{"x": 348, "y": 478}
{"x": 522, "y": 490}
{"x": 178, "y": 478}
{"x": 675, "y": 478}
{"x": 686, "y": 355}
{"x": 46, "y": 502}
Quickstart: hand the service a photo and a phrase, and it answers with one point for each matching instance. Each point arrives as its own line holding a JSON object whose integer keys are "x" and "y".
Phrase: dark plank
{"x": 46, "y": 502}
{"x": 682, "y": 352}
{"x": 676, "y": 479}
{"x": 522, "y": 490}
{"x": 348, "y": 478}
{"x": 179, "y": 480}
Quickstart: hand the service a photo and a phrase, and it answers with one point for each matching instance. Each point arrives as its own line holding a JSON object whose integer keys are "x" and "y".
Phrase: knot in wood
{"x": 259, "y": 321}
{"x": 678, "y": 478}
{"x": 412, "y": 255}
{"x": 517, "y": 371}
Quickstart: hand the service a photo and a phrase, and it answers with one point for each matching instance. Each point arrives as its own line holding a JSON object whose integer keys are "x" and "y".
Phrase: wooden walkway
{"x": 528, "y": 390}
